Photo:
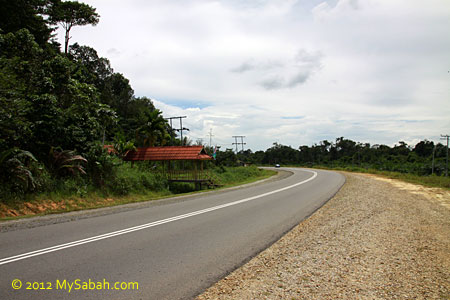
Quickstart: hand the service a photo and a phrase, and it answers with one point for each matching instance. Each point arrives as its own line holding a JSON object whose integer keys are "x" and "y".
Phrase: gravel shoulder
{"x": 376, "y": 239}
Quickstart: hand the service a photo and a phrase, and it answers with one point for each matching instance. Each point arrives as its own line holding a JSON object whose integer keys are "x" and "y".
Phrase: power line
{"x": 446, "y": 137}
{"x": 237, "y": 143}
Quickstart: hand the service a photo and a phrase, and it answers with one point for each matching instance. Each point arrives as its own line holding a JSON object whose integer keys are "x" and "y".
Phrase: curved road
{"x": 172, "y": 249}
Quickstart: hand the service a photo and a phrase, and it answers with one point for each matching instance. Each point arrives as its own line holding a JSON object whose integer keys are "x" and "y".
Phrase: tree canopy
{"x": 70, "y": 100}
{"x": 72, "y": 13}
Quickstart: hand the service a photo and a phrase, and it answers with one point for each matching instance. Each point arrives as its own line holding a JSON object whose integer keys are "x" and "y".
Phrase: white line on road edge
{"x": 11, "y": 259}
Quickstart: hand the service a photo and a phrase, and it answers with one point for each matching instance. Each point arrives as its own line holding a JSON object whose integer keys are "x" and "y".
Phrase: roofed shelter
{"x": 196, "y": 154}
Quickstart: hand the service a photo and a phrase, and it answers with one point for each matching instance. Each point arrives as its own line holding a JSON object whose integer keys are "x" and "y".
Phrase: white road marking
{"x": 11, "y": 259}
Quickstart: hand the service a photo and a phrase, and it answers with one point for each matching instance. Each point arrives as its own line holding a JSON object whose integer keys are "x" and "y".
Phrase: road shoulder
{"x": 376, "y": 239}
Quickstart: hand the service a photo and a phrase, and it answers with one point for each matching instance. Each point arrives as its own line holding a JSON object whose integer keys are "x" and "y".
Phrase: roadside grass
{"x": 130, "y": 185}
{"x": 241, "y": 175}
{"x": 429, "y": 181}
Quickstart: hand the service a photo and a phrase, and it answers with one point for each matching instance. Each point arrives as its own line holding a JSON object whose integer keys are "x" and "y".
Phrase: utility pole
{"x": 210, "y": 136}
{"x": 446, "y": 137}
{"x": 181, "y": 126}
{"x": 237, "y": 143}
{"x": 432, "y": 163}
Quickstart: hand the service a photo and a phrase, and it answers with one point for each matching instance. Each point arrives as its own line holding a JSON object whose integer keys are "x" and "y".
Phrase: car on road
{"x": 277, "y": 165}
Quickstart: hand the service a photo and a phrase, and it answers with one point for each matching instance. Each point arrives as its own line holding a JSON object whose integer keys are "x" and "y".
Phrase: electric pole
{"x": 237, "y": 143}
{"x": 432, "y": 163}
{"x": 446, "y": 137}
{"x": 181, "y": 126}
{"x": 210, "y": 136}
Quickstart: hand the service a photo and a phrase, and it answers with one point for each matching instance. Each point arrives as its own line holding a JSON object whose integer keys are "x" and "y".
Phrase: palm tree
{"x": 155, "y": 129}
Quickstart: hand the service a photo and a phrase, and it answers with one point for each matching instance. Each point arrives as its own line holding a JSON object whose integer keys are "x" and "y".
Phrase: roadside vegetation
{"x": 59, "y": 108}
{"x": 423, "y": 163}
{"x": 127, "y": 185}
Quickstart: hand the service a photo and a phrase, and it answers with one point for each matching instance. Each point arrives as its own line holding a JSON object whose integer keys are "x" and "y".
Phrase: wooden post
{"x": 196, "y": 170}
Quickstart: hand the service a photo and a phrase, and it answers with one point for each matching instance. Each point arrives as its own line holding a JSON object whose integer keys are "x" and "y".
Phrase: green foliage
{"x": 17, "y": 171}
{"x": 226, "y": 158}
{"x": 72, "y": 13}
{"x": 65, "y": 162}
{"x": 122, "y": 146}
{"x": 135, "y": 180}
{"x": 153, "y": 131}
{"x": 233, "y": 175}
{"x": 26, "y": 14}
{"x": 280, "y": 154}
{"x": 89, "y": 66}
{"x": 101, "y": 166}
{"x": 345, "y": 153}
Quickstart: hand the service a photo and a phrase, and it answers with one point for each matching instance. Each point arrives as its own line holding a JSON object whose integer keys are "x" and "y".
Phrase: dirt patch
{"x": 43, "y": 207}
{"x": 437, "y": 195}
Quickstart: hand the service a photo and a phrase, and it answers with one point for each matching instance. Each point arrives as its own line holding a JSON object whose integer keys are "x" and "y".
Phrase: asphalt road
{"x": 172, "y": 249}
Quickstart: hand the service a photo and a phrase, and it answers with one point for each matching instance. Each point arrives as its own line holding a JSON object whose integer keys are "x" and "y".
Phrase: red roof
{"x": 168, "y": 153}
{"x": 109, "y": 148}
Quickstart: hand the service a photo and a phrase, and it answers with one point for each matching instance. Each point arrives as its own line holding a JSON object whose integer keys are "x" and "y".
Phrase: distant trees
{"x": 347, "y": 153}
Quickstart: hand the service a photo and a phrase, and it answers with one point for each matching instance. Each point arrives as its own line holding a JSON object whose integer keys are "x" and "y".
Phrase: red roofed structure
{"x": 168, "y": 153}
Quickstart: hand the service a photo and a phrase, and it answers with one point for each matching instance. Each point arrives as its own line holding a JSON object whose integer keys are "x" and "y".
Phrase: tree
{"x": 26, "y": 14}
{"x": 424, "y": 148}
{"x": 117, "y": 93}
{"x": 72, "y": 13}
{"x": 20, "y": 80}
{"x": 153, "y": 130}
{"x": 226, "y": 158}
{"x": 90, "y": 66}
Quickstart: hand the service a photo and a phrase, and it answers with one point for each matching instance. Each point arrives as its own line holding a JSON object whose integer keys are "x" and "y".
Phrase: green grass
{"x": 129, "y": 185}
{"x": 241, "y": 175}
{"x": 429, "y": 181}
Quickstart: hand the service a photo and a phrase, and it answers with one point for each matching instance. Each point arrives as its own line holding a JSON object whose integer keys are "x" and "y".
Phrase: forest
{"x": 59, "y": 104}
{"x": 423, "y": 159}
{"x": 58, "y": 107}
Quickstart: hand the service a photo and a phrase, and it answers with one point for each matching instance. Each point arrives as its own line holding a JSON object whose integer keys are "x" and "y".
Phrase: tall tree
{"x": 72, "y": 13}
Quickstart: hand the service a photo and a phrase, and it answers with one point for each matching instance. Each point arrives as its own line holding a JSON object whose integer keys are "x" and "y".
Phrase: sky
{"x": 294, "y": 72}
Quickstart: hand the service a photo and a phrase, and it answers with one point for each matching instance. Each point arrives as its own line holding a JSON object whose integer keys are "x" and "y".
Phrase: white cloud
{"x": 373, "y": 71}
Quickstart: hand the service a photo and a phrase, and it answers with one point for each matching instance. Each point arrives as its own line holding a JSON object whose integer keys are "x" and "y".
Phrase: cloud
{"x": 244, "y": 67}
{"x": 272, "y": 83}
{"x": 352, "y": 68}
{"x": 279, "y": 74}
{"x": 293, "y": 118}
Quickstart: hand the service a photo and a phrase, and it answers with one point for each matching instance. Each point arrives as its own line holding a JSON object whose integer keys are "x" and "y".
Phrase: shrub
{"x": 17, "y": 171}
{"x": 101, "y": 166}
{"x": 65, "y": 162}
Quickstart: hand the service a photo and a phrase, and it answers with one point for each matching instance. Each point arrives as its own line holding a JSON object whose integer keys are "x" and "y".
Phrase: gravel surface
{"x": 376, "y": 239}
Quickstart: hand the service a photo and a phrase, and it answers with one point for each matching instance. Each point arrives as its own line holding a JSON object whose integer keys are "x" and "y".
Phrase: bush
{"x": 101, "y": 166}
{"x": 133, "y": 179}
{"x": 237, "y": 174}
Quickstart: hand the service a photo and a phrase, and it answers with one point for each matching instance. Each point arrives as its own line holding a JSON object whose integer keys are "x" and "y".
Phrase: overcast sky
{"x": 289, "y": 71}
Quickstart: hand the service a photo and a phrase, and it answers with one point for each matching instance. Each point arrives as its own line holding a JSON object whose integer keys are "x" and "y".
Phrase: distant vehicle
{"x": 277, "y": 165}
